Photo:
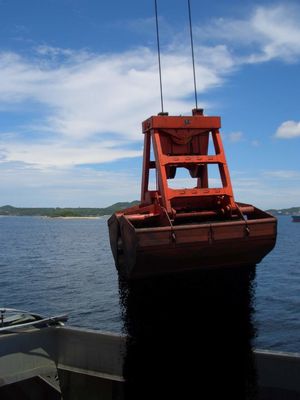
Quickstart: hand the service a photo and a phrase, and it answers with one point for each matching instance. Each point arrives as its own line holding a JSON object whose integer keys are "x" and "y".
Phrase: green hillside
{"x": 285, "y": 211}
{"x": 97, "y": 212}
{"x": 65, "y": 212}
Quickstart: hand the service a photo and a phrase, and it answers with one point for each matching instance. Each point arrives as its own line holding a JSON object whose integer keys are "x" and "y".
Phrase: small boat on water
{"x": 183, "y": 229}
{"x": 14, "y": 320}
{"x": 296, "y": 218}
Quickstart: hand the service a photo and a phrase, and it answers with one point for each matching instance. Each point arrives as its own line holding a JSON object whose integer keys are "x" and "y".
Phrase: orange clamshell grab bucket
{"x": 177, "y": 230}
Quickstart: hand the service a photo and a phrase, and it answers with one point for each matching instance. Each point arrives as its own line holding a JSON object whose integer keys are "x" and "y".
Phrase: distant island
{"x": 285, "y": 211}
{"x": 98, "y": 212}
{"x": 64, "y": 212}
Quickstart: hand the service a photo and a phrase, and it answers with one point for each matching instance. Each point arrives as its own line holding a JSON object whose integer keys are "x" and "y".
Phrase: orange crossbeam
{"x": 190, "y": 122}
{"x": 176, "y": 160}
{"x": 172, "y": 193}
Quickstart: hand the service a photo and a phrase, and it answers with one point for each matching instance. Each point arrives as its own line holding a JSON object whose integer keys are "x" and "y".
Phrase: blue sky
{"x": 77, "y": 78}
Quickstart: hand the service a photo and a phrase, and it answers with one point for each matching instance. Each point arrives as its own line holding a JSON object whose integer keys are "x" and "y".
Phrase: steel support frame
{"x": 157, "y": 126}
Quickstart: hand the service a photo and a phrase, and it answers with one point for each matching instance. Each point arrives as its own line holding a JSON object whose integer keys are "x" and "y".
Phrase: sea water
{"x": 53, "y": 266}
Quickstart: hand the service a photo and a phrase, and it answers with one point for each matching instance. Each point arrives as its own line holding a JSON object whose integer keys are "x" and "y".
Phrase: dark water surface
{"x": 54, "y": 266}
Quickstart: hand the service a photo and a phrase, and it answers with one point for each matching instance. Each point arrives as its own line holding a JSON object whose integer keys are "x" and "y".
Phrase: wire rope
{"x": 158, "y": 54}
{"x": 193, "y": 56}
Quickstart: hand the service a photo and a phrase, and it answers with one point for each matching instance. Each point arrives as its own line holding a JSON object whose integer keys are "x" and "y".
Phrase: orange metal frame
{"x": 183, "y": 142}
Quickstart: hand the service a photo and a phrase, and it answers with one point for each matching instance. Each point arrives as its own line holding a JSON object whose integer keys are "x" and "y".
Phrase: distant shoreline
{"x": 58, "y": 217}
{"x": 100, "y": 217}
{"x": 94, "y": 213}
{"x": 58, "y": 212}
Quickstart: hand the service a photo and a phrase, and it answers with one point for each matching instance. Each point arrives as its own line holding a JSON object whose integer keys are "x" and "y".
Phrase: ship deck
{"x": 75, "y": 363}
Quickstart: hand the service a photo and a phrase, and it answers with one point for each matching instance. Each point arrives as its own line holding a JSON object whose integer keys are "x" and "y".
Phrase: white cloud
{"x": 86, "y": 94}
{"x": 87, "y": 108}
{"x": 269, "y": 32}
{"x": 288, "y": 130}
{"x": 235, "y": 137}
{"x": 83, "y": 98}
{"x": 283, "y": 174}
{"x": 62, "y": 153}
{"x": 25, "y": 185}
{"x": 278, "y": 29}
{"x": 54, "y": 52}
{"x": 82, "y": 95}
{"x": 262, "y": 191}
